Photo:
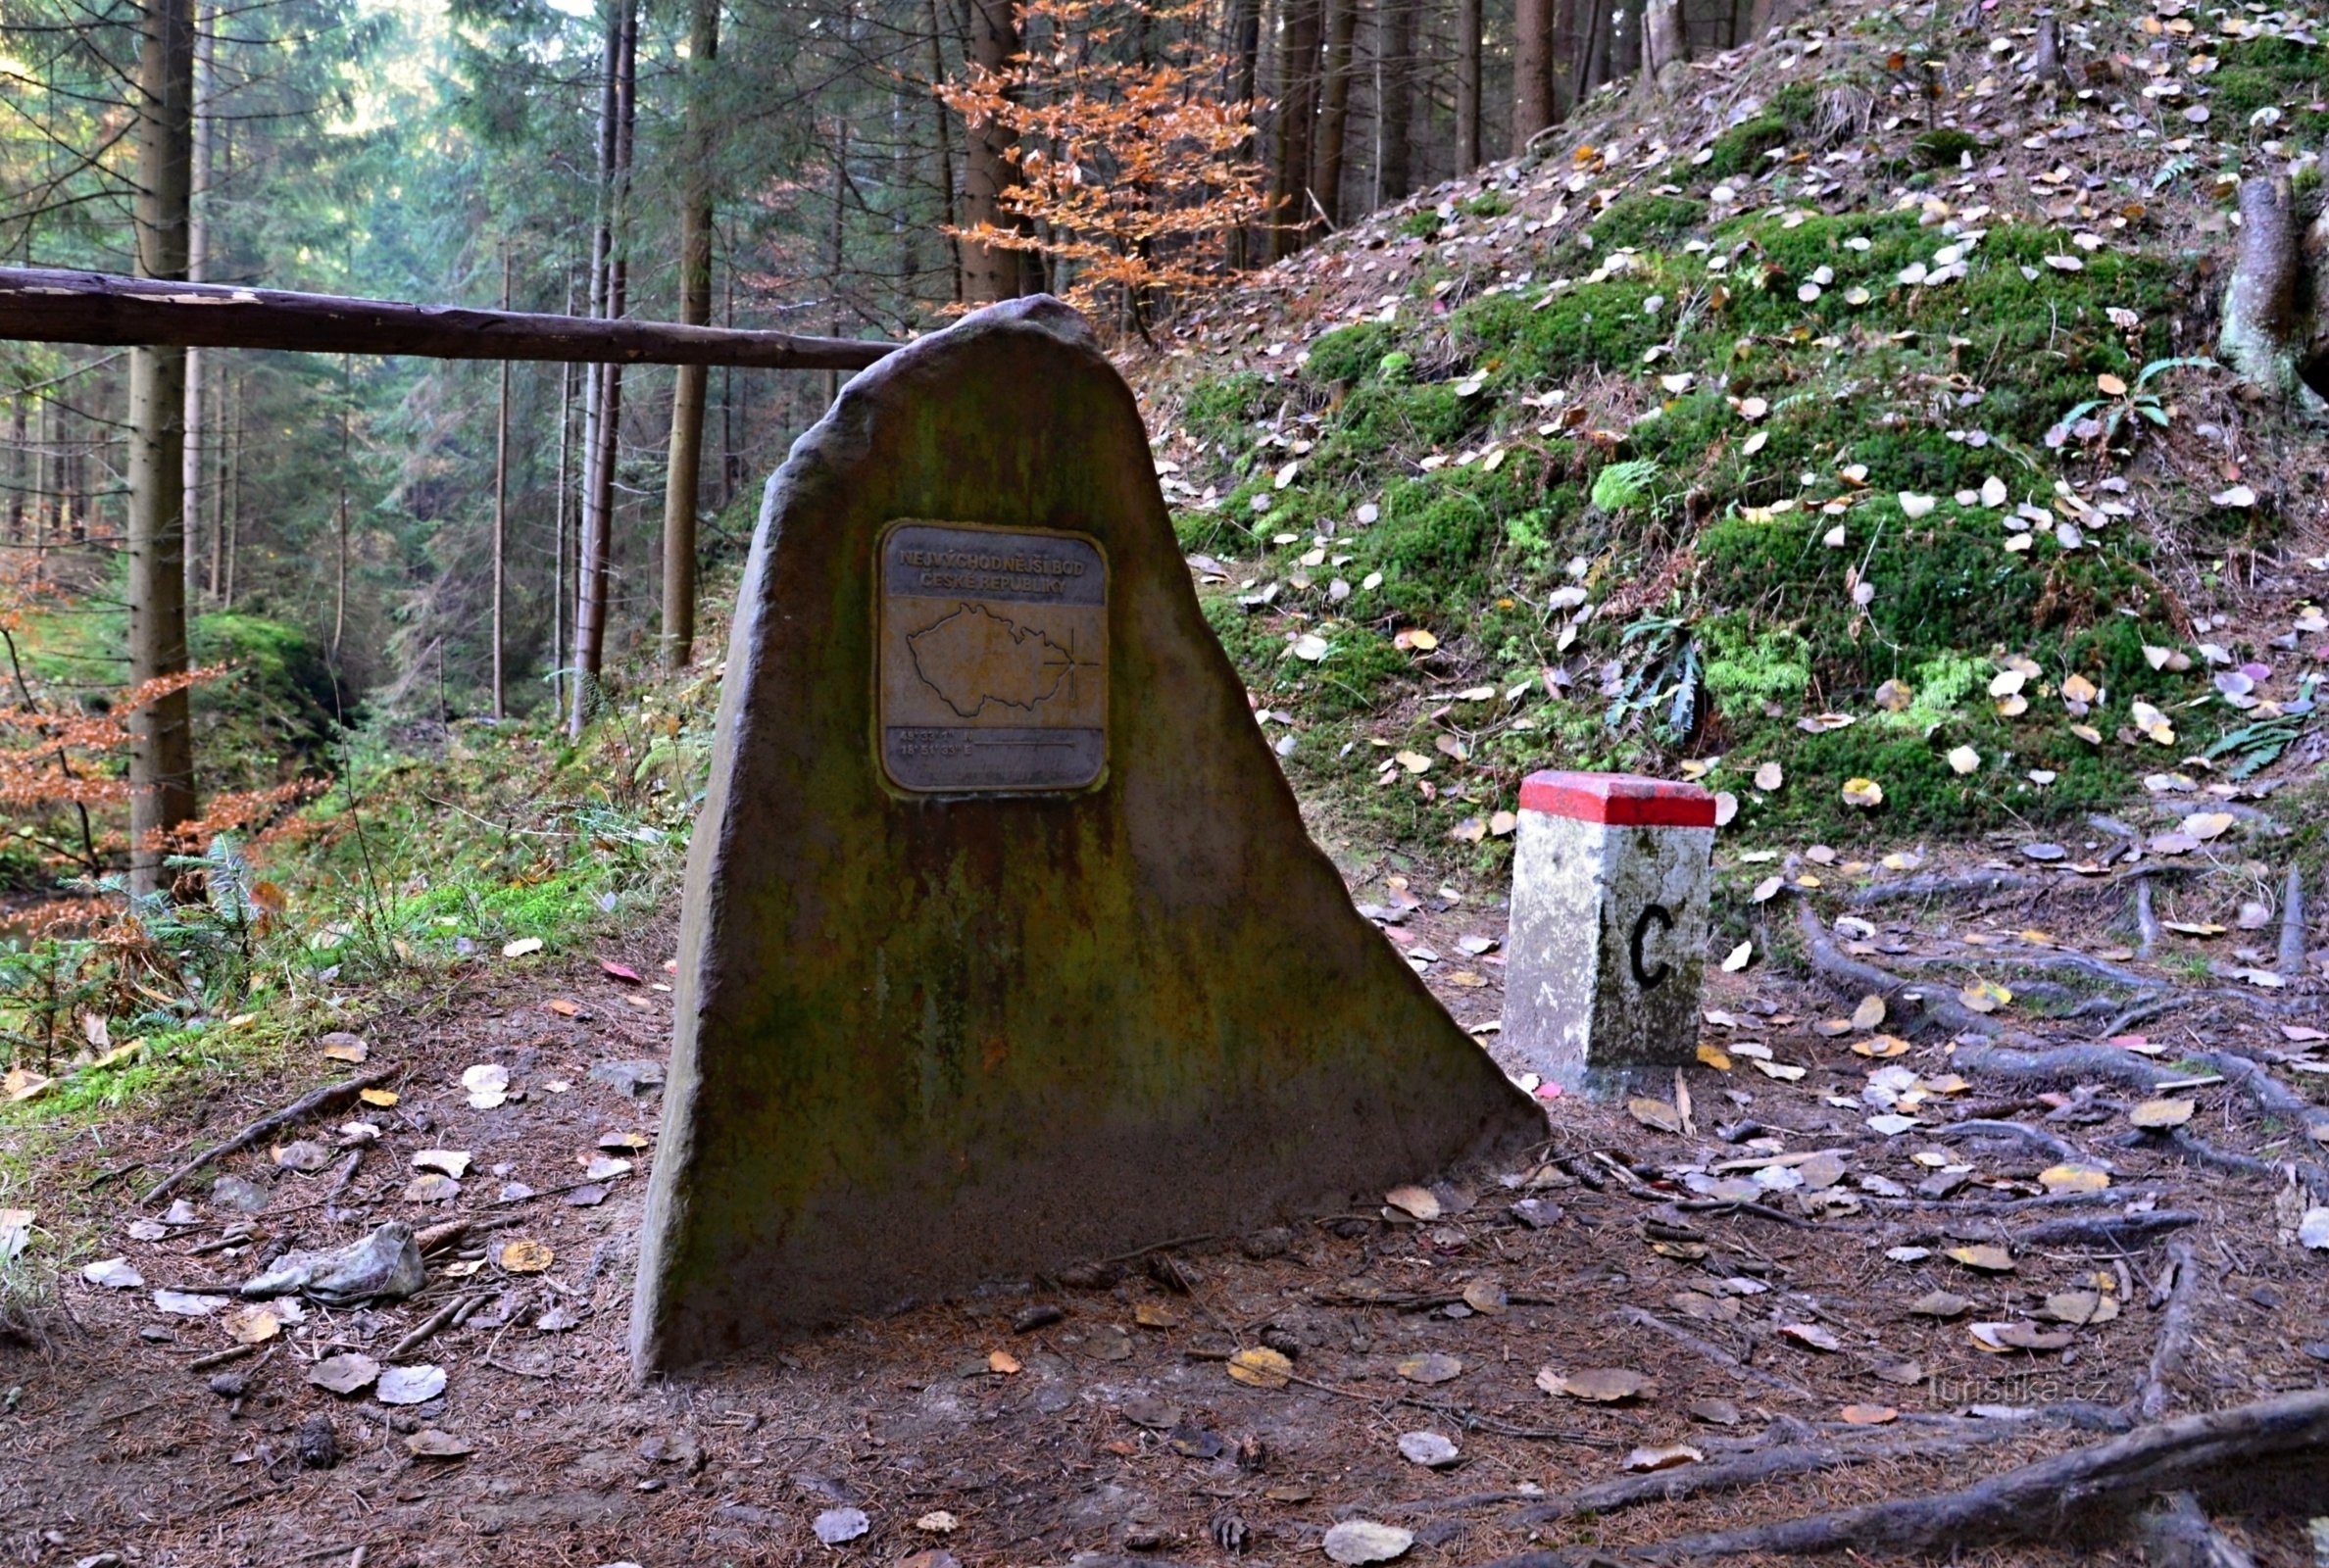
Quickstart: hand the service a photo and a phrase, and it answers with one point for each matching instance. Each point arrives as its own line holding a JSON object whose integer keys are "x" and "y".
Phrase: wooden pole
{"x": 40, "y": 305}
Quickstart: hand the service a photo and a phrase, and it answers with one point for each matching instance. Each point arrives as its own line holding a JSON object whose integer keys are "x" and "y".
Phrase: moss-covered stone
{"x": 923, "y": 1039}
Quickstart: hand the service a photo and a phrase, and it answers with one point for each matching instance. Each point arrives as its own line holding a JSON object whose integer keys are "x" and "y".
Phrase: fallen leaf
{"x": 1985, "y": 1257}
{"x": 1260, "y": 1368}
{"x": 2074, "y": 1179}
{"x": 2082, "y": 1308}
{"x": 1429, "y": 1449}
{"x": 345, "y": 1373}
{"x": 1736, "y": 959}
{"x": 837, "y": 1526}
{"x": 521, "y": 947}
{"x": 1655, "y": 1113}
{"x": 1432, "y": 1366}
{"x": 113, "y": 1273}
{"x": 453, "y": 1163}
{"x": 1865, "y": 793}
{"x": 488, "y": 1085}
{"x": 526, "y": 1257}
{"x": 1999, "y": 1337}
{"x": 430, "y": 1444}
{"x": 1362, "y": 1541}
{"x": 1869, "y": 1013}
{"x": 410, "y": 1384}
{"x": 340, "y": 1046}
{"x": 1416, "y": 1201}
{"x": 1811, "y": 1335}
{"x": 1870, "y": 1415}
{"x": 1598, "y": 1384}
{"x": 1666, "y": 1458}
{"x": 2157, "y": 1113}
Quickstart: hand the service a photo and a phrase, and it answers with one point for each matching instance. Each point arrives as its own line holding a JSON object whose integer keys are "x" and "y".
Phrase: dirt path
{"x": 1094, "y": 1413}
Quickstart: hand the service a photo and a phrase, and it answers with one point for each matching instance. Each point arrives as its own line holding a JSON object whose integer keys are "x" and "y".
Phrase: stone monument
{"x": 1003, "y": 945}
{"x": 1607, "y": 940}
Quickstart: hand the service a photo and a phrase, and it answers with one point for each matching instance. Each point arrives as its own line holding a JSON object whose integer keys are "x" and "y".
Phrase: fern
{"x": 1621, "y": 485}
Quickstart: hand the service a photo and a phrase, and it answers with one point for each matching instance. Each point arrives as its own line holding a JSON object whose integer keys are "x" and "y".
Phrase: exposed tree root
{"x": 2177, "y": 1535}
{"x": 2045, "y": 1143}
{"x": 328, "y": 1098}
{"x": 2289, "y": 960}
{"x": 2175, "y": 1345}
{"x": 1746, "y": 1470}
{"x": 1854, "y": 978}
{"x": 1941, "y": 887}
{"x": 1715, "y": 1352}
{"x": 2109, "y": 1232}
{"x": 2061, "y": 1064}
{"x": 2037, "y": 1500}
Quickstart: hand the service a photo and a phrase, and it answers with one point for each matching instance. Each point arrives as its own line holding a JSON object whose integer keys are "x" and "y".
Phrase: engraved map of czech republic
{"x": 993, "y": 658}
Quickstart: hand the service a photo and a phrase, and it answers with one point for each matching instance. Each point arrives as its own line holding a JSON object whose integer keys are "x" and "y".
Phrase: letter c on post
{"x": 1652, "y": 914}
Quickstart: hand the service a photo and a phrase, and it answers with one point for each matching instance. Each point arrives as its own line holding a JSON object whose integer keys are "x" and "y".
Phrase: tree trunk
{"x": 1298, "y": 112}
{"x": 685, "y": 458}
{"x": 1394, "y": 98}
{"x": 1532, "y": 71}
{"x": 19, "y": 469}
{"x": 602, "y": 444}
{"x": 197, "y": 268}
{"x": 1467, "y": 85}
{"x": 941, "y": 181}
{"x": 990, "y": 272}
{"x": 561, "y": 584}
{"x": 162, "y": 756}
{"x": 1664, "y": 49}
{"x": 2265, "y": 322}
{"x": 1334, "y": 108}
{"x": 501, "y": 505}
{"x": 1245, "y": 58}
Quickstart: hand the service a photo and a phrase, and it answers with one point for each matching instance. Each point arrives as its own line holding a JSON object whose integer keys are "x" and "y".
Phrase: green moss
{"x": 1216, "y": 406}
{"x": 1424, "y": 224}
{"x": 1748, "y": 667}
{"x": 1488, "y": 203}
{"x": 1381, "y": 419}
{"x": 273, "y": 713}
{"x": 1740, "y": 149}
{"x": 1586, "y": 327}
{"x": 1646, "y": 219}
{"x": 1942, "y": 148}
{"x": 1348, "y": 353}
{"x": 2270, "y": 73}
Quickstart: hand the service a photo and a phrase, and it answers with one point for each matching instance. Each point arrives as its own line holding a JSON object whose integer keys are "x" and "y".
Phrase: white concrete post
{"x": 1609, "y": 931}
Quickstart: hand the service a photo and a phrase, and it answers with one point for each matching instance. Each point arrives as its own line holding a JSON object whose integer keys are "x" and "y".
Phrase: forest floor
{"x": 1769, "y": 1248}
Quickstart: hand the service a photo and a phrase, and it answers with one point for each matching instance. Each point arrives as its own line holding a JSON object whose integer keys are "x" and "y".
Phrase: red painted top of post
{"x": 1619, "y": 800}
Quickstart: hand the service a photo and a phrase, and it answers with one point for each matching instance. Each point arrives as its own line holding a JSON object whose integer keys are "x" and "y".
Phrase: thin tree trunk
{"x": 685, "y": 458}
{"x": 1532, "y": 71}
{"x": 836, "y": 253}
{"x": 231, "y": 444}
{"x": 197, "y": 270}
{"x": 1394, "y": 98}
{"x": 560, "y": 585}
{"x": 1467, "y": 85}
{"x": 1298, "y": 112}
{"x": 1243, "y": 53}
{"x": 942, "y": 180}
{"x": 162, "y": 756}
{"x": 602, "y": 443}
{"x": 501, "y": 505}
{"x": 19, "y": 464}
{"x": 1334, "y": 108}
{"x": 339, "y": 596}
{"x": 990, "y": 272}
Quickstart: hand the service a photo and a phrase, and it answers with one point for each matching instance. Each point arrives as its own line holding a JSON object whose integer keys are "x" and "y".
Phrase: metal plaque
{"x": 992, "y": 667}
